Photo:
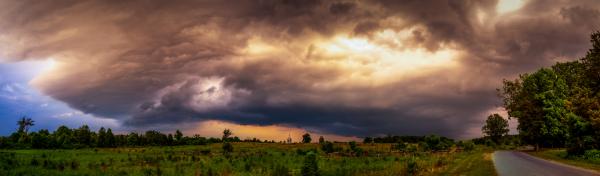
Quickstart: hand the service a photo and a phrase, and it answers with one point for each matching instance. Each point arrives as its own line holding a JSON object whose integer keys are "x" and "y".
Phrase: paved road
{"x": 513, "y": 163}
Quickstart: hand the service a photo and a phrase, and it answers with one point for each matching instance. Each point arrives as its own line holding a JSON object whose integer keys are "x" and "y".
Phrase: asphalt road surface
{"x": 513, "y": 163}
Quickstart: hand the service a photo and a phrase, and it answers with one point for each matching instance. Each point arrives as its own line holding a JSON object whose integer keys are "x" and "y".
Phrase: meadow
{"x": 247, "y": 158}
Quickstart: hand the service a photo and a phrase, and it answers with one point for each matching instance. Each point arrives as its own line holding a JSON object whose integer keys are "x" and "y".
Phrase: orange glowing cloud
{"x": 214, "y": 128}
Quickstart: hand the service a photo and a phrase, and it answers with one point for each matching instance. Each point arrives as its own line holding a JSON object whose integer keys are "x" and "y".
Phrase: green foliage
{"x": 559, "y": 106}
{"x": 437, "y": 143}
{"x": 592, "y": 155}
{"x": 226, "y": 135}
{"x": 327, "y": 147}
{"x": 227, "y": 147}
{"x": 468, "y": 146}
{"x": 310, "y": 166}
{"x": 178, "y": 136}
{"x": 306, "y": 138}
{"x": 412, "y": 167}
{"x": 280, "y": 170}
{"x": 401, "y": 146}
{"x": 321, "y": 139}
{"x": 495, "y": 127}
{"x": 355, "y": 149}
{"x": 246, "y": 159}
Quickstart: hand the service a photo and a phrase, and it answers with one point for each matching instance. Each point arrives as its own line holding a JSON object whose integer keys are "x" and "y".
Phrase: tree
{"x": 226, "y": 134}
{"x": 321, "y": 139}
{"x": 133, "y": 139}
{"x": 83, "y": 136}
{"x": 368, "y": 140}
{"x": 539, "y": 102}
{"x": 101, "y": 139}
{"x": 306, "y": 138}
{"x": 110, "y": 138}
{"x": 178, "y": 135}
{"x": 64, "y": 137}
{"x": 24, "y": 124}
{"x": 495, "y": 127}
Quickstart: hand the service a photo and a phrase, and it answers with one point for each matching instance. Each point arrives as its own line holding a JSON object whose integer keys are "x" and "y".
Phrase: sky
{"x": 274, "y": 68}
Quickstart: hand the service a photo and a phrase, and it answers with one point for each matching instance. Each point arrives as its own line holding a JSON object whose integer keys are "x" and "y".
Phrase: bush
{"x": 592, "y": 154}
{"x": 412, "y": 167}
{"x": 401, "y": 146}
{"x": 327, "y": 147}
{"x": 468, "y": 146}
{"x": 205, "y": 151}
{"x": 227, "y": 147}
{"x": 310, "y": 167}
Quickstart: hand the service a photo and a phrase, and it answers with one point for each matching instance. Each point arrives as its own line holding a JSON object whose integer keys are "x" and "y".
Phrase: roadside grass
{"x": 246, "y": 159}
{"x": 477, "y": 162}
{"x": 560, "y": 155}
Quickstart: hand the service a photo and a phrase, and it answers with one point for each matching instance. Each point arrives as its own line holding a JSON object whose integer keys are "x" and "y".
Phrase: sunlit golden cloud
{"x": 268, "y": 132}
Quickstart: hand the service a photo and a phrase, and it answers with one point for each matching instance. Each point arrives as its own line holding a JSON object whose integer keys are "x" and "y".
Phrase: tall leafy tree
{"x": 178, "y": 136}
{"x": 539, "y": 102}
{"x": 110, "y": 138}
{"x": 101, "y": 139}
{"x": 83, "y": 135}
{"x": 306, "y": 138}
{"x": 226, "y": 134}
{"x": 495, "y": 127}
{"x": 321, "y": 139}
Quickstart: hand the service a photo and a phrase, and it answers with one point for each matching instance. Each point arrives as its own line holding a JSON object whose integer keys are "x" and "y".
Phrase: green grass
{"x": 247, "y": 159}
{"x": 478, "y": 162}
{"x": 560, "y": 155}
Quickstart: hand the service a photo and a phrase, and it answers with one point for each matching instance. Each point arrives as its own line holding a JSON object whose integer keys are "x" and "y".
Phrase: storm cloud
{"x": 353, "y": 68}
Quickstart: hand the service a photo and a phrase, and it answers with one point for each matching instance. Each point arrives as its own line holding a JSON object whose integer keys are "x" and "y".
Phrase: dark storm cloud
{"x": 172, "y": 62}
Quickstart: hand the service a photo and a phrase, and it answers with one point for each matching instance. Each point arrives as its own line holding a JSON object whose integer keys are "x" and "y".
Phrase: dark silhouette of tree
{"x": 495, "y": 127}
{"x": 226, "y": 134}
{"x": 306, "y": 138}
{"x": 368, "y": 140}
{"x": 83, "y": 136}
{"x": 101, "y": 139}
{"x": 24, "y": 124}
{"x": 178, "y": 136}
{"x": 110, "y": 138}
{"x": 321, "y": 139}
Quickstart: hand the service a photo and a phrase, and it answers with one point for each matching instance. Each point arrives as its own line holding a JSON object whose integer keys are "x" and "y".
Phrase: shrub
{"x": 327, "y": 147}
{"x": 74, "y": 164}
{"x": 280, "y": 170}
{"x": 205, "y": 151}
{"x": 34, "y": 162}
{"x": 412, "y": 167}
{"x": 227, "y": 148}
{"x": 401, "y": 146}
{"x": 592, "y": 154}
{"x": 310, "y": 167}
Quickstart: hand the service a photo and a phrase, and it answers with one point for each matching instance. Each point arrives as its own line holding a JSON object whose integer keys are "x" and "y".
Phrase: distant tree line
{"x": 82, "y": 137}
{"x": 559, "y": 106}
{"x": 405, "y": 143}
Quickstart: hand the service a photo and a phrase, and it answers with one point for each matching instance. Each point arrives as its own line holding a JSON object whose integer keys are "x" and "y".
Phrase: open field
{"x": 246, "y": 159}
{"x": 560, "y": 155}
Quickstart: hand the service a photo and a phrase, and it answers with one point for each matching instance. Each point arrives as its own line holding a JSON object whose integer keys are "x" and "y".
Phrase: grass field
{"x": 560, "y": 155}
{"x": 246, "y": 159}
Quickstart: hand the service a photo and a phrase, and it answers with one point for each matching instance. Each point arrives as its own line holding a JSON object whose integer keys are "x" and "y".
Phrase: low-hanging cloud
{"x": 352, "y": 68}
